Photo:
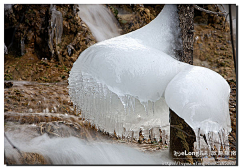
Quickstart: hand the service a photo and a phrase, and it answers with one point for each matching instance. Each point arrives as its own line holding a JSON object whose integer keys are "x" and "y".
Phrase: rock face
{"x": 28, "y": 31}
{"x": 133, "y": 17}
{"x": 8, "y": 84}
{"x": 27, "y": 158}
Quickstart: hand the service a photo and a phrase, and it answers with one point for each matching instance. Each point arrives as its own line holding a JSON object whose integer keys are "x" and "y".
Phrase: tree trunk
{"x": 182, "y": 137}
{"x": 233, "y": 40}
{"x": 186, "y": 14}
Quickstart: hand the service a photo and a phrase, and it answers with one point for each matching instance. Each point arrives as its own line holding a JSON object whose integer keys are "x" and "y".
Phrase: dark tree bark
{"x": 182, "y": 137}
{"x": 186, "y": 14}
{"x": 233, "y": 40}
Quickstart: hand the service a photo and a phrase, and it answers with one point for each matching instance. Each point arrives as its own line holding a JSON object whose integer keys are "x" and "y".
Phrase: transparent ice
{"x": 128, "y": 83}
{"x": 5, "y": 49}
{"x": 70, "y": 48}
{"x": 22, "y": 46}
{"x": 56, "y": 26}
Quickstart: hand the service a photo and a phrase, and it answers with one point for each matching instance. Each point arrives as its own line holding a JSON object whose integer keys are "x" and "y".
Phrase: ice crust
{"x": 163, "y": 33}
{"x": 128, "y": 83}
{"x": 200, "y": 96}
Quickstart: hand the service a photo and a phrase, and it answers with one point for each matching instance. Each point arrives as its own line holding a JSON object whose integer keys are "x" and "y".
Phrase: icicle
{"x": 124, "y": 100}
{"x": 163, "y": 137}
{"x": 208, "y": 142}
{"x": 153, "y": 107}
{"x": 151, "y": 137}
{"x": 57, "y": 22}
{"x": 50, "y": 41}
{"x": 5, "y": 49}
{"x": 155, "y": 133}
{"x": 225, "y": 141}
{"x": 70, "y": 48}
{"x": 133, "y": 103}
{"x": 56, "y": 26}
{"x": 167, "y": 140}
{"x": 22, "y": 46}
{"x": 212, "y": 141}
{"x": 223, "y": 138}
{"x": 145, "y": 104}
{"x": 75, "y": 9}
{"x": 198, "y": 140}
{"x": 217, "y": 141}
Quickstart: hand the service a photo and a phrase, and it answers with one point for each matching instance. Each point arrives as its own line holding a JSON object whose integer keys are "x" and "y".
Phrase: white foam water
{"x": 100, "y": 21}
{"x": 75, "y": 151}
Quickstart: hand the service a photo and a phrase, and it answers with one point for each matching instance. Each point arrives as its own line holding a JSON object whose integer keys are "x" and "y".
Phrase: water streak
{"x": 100, "y": 21}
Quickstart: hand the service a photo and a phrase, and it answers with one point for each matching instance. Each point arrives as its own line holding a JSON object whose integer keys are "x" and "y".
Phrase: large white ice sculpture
{"x": 129, "y": 82}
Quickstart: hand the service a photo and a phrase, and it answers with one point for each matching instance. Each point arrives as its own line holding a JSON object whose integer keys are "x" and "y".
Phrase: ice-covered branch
{"x": 211, "y": 12}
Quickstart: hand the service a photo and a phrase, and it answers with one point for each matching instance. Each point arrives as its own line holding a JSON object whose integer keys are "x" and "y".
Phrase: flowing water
{"x": 100, "y": 21}
{"x": 72, "y": 150}
{"x": 49, "y": 126}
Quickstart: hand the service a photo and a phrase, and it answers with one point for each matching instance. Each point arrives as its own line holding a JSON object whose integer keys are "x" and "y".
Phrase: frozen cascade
{"x": 100, "y": 21}
{"x": 128, "y": 83}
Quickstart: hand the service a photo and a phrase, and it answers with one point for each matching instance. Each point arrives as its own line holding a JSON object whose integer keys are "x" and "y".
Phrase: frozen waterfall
{"x": 128, "y": 83}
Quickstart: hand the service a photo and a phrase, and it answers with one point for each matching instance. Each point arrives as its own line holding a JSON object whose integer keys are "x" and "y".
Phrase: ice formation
{"x": 7, "y": 8}
{"x": 5, "y": 49}
{"x": 200, "y": 96}
{"x": 75, "y": 6}
{"x": 100, "y": 21}
{"x": 70, "y": 48}
{"x": 56, "y": 26}
{"x": 128, "y": 83}
{"x": 22, "y": 46}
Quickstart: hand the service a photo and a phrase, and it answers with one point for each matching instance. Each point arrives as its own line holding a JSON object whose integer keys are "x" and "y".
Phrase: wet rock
{"x": 200, "y": 20}
{"x": 33, "y": 28}
{"x": 132, "y": 17}
{"x": 8, "y": 84}
{"x": 27, "y": 158}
